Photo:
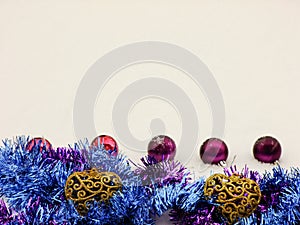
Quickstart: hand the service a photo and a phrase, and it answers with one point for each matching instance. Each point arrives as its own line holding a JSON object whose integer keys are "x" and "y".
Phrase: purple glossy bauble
{"x": 213, "y": 151}
{"x": 267, "y": 149}
{"x": 162, "y": 148}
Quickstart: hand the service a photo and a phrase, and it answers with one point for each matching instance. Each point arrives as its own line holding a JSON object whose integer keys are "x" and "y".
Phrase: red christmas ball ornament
{"x": 107, "y": 143}
{"x": 162, "y": 148}
{"x": 267, "y": 149}
{"x": 38, "y": 143}
{"x": 213, "y": 151}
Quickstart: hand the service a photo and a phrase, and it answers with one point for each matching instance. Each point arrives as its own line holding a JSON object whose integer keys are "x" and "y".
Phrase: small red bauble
{"x": 162, "y": 148}
{"x": 267, "y": 149}
{"x": 39, "y": 143}
{"x": 107, "y": 143}
{"x": 213, "y": 151}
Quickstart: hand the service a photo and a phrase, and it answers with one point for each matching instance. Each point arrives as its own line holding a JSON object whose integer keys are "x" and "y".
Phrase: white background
{"x": 252, "y": 49}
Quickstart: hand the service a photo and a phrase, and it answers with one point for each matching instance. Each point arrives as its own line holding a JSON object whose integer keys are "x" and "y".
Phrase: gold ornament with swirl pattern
{"x": 238, "y": 196}
{"x": 91, "y": 185}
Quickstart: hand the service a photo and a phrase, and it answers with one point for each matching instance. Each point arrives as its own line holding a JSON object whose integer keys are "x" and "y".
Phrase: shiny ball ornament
{"x": 162, "y": 148}
{"x": 213, "y": 151}
{"x": 91, "y": 185}
{"x": 267, "y": 149}
{"x": 107, "y": 143}
{"x": 38, "y": 143}
{"x": 237, "y": 196}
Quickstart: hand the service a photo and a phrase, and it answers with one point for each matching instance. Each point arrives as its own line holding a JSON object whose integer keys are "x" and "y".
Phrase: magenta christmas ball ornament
{"x": 213, "y": 151}
{"x": 267, "y": 149}
{"x": 162, "y": 148}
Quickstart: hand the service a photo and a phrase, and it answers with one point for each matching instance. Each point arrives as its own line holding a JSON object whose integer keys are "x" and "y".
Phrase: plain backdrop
{"x": 251, "y": 47}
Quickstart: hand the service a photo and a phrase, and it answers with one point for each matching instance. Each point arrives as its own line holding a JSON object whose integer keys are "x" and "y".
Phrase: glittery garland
{"x": 33, "y": 186}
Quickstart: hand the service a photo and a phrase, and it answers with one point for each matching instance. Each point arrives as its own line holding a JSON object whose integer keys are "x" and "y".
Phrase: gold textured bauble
{"x": 237, "y": 196}
{"x": 91, "y": 185}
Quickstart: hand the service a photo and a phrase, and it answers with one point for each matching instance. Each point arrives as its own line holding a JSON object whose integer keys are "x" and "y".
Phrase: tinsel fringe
{"x": 32, "y": 184}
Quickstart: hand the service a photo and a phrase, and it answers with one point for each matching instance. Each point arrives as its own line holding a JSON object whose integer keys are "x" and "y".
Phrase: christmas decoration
{"x": 64, "y": 185}
{"x": 161, "y": 173}
{"x": 162, "y": 148}
{"x": 267, "y": 149}
{"x": 107, "y": 143}
{"x": 91, "y": 185}
{"x": 238, "y": 196}
{"x": 39, "y": 143}
{"x": 213, "y": 151}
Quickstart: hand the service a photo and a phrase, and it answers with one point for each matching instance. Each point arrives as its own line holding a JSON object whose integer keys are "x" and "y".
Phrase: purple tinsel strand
{"x": 67, "y": 156}
{"x": 8, "y": 215}
{"x": 253, "y": 175}
{"x": 202, "y": 216}
{"x": 5, "y": 213}
{"x": 161, "y": 173}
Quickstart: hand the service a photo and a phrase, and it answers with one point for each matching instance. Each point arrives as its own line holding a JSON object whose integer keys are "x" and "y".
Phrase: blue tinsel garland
{"x": 32, "y": 183}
